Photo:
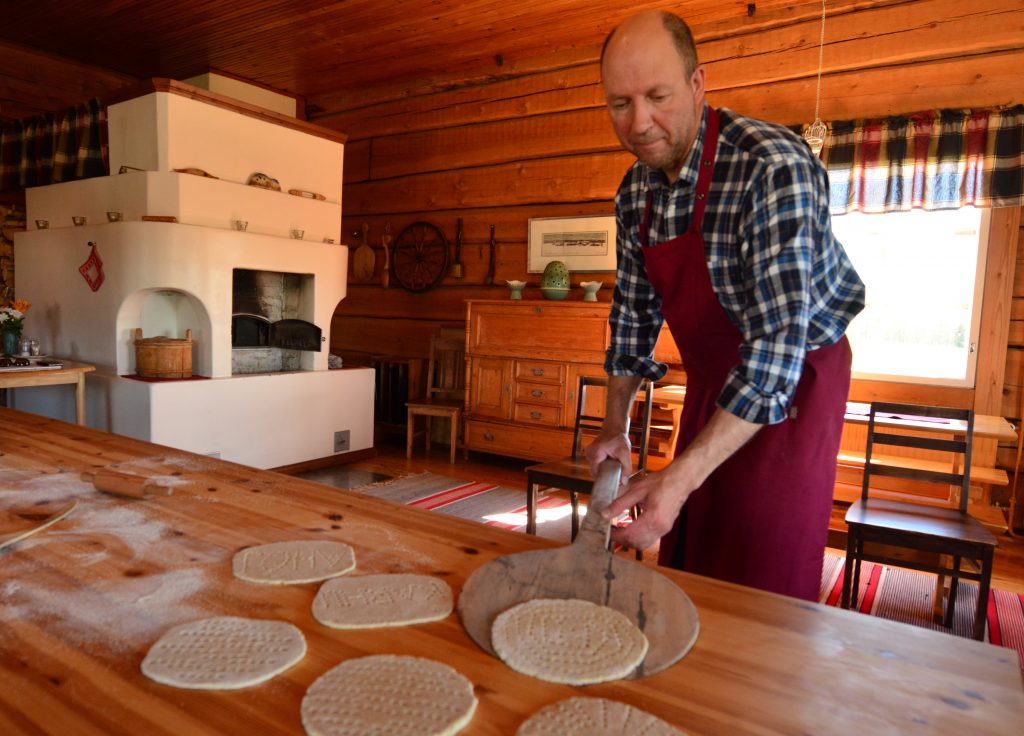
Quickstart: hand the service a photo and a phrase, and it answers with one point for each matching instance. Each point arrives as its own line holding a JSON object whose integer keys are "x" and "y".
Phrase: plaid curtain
{"x": 54, "y": 147}
{"x": 939, "y": 159}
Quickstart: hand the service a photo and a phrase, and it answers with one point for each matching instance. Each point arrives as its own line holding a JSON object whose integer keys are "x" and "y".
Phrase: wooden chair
{"x": 573, "y": 473}
{"x": 445, "y": 391}
{"x": 880, "y": 527}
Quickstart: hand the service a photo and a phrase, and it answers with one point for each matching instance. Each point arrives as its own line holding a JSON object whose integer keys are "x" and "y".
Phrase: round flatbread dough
{"x": 594, "y": 717}
{"x": 297, "y": 561}
{"x": 568, "y": 641}
{"x": 390, "y": 695}
{"x": 223, "y": 653}
{"x": 371, "y": 601}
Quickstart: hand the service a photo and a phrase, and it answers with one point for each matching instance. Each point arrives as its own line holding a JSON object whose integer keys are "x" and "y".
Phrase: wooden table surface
{"x": 82, "y": 601}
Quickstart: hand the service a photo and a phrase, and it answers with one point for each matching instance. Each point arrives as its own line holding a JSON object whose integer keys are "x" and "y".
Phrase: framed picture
{"x": 584, "y": 243}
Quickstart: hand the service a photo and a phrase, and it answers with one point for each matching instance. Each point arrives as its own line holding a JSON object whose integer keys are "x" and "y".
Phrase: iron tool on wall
{"x": 489, "y": 279}
{"x": 457, "y": 266}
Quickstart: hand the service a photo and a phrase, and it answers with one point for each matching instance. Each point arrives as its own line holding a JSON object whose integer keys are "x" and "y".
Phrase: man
{"x": 724, "y": 233}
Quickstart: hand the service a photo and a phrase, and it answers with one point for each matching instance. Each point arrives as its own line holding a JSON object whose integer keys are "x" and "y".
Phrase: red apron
{"x": 761, "y": 519}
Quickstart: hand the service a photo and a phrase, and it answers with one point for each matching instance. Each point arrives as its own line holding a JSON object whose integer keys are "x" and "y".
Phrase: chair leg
{"x": 858, "y": 554}
{"x": 454, "y": 438}
{"x": 410, "y": 432}
{"x": 574, "y": 499}
{"x": 427, "y": 419}
{"x": 980, "y": 615}
{"x": 954, "y": 584}
{"x": 848, "y": 568}
{"x": 531, "y": 505}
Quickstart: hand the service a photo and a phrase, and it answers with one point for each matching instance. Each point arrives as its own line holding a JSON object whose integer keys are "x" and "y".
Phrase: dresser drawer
{"x": 531, "y": 443}
{"x": 550, "y": 330}
{"x": 540, "y": 371}
{"x": 537, "y": 414}
{"x": 539, "y": 393}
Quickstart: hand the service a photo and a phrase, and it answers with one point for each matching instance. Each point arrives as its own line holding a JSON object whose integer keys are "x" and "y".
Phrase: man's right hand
{"x": 615, "y": 446}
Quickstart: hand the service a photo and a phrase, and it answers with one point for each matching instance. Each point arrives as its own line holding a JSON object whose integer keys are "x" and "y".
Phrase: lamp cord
{"x": 821, "y": 56}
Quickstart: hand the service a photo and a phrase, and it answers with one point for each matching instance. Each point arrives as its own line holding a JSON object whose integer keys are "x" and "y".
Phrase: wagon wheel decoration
{"x": 419, "y": 257}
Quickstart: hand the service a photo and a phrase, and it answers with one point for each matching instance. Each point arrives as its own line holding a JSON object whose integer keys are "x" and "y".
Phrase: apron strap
{"x": 706, "y": 167}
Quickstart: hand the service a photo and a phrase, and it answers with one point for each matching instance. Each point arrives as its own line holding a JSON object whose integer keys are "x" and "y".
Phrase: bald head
{"x": 654, "y": 89}
{"x": 637, "y": 28}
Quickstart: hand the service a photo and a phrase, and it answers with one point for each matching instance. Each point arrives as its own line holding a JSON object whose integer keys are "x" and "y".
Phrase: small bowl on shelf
{"x": 590, "y": 290}
{"x": 515, "y": 288}
{"x": 554, "y": 293}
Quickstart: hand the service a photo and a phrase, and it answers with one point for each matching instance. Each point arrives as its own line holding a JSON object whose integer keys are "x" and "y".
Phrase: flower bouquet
{"x": 12, "y": 318}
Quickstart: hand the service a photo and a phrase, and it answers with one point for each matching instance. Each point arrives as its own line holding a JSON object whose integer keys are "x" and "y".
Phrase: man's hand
{"x": 659, "y": 496}
{"x": 614, "y": 446}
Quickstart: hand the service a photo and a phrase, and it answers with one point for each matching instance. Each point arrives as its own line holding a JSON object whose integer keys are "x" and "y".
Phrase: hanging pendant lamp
{"x": 816, "y": 132}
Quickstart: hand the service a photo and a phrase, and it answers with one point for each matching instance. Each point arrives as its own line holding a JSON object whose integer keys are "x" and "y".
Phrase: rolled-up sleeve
{"x": 781, "y": 231}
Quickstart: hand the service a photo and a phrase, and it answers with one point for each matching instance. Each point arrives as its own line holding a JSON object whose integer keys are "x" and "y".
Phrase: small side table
{"x": 71, "y": 373}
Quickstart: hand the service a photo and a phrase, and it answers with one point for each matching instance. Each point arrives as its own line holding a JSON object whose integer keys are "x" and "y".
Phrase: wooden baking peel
{"x": 586, "y": 570}
{"x": 12, "y": 537}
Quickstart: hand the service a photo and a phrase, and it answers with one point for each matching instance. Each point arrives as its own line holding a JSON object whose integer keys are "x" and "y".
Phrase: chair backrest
{"x": 446, "y": 370}
{"x": 590, "y": 424}
{"x": 921, "y": 427}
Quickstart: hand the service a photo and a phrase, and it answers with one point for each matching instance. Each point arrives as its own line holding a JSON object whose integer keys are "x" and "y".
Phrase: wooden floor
{"x": 390, "y": 460}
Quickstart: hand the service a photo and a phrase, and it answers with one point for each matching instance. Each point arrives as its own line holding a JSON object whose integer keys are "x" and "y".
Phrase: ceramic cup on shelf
{"x": 239, "y": 225}
{"x": 79, "y": 220}
{"x": 113, "y": 216}
{"x": 42, "y": 224}
{"x": 297, "y": 233}
{"x": 515, "y": 288}
{"x": 590, "y": 290}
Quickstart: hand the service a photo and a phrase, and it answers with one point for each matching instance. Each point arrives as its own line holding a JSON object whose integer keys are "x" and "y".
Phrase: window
{"x": 924, "y": 273}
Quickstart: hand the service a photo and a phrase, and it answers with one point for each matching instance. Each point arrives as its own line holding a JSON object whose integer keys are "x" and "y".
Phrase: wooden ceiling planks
{"x": 317, "y": 48}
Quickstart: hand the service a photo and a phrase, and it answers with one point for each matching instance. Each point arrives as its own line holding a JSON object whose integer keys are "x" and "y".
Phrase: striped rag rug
{"x": 483, "y": 502}
{"x": 906, "y": 596}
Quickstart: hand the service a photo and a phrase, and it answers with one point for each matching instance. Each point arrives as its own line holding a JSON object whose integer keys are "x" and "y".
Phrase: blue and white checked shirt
{"x": 784, "y": 281}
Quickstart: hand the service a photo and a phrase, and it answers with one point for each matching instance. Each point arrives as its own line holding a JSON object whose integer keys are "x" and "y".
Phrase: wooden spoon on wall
{"x": 363, "y": 260}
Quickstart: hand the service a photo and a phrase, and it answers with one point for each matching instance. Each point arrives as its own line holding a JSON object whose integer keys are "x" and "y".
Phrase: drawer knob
{"x": 535, "y": 415}
{"x": 538, "y": 371}
{"x": 537, "y": 392}
{"x": 488, "y": 436}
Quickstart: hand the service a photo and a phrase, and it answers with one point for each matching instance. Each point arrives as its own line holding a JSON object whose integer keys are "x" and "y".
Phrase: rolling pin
{"x": 123, "y": 484}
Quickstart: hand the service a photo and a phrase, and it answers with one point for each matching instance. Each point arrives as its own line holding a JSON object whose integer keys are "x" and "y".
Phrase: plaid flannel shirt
{"x": 784, "y": 281}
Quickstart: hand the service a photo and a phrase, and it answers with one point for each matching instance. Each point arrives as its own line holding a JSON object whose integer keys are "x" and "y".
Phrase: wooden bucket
{"x": 163, "y": 357}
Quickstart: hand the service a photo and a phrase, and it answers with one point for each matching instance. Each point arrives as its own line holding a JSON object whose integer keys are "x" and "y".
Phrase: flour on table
{"x": 370, "y": 601}
{"x": 568, "y": 641}
{"x": 297, "y": 561}
{"x": 594, "y": 717}
{"x": 388, "y": 694}
{"x": 223, "y": 653}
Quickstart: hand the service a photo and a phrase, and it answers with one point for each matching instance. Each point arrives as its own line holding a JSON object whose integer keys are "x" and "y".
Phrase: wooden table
{"x": 985, "y": 426}
{"x": 71, "y": 373}
{"x": 83, "y": 601}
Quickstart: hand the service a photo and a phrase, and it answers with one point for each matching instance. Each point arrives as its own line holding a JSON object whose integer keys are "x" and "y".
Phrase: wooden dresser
{"x": 525, "y": 359}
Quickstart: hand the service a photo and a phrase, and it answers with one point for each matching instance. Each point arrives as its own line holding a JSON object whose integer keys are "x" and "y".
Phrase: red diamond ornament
{"x": 92, "y": 269}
